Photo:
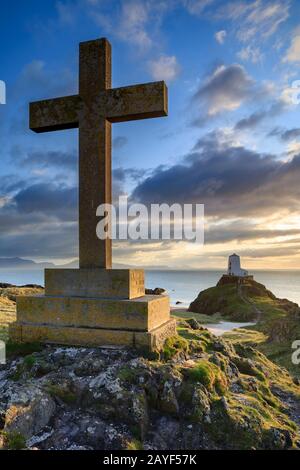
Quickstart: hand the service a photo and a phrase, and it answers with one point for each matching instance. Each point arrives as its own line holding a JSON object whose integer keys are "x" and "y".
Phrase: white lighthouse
{"x": 234, "y": 267}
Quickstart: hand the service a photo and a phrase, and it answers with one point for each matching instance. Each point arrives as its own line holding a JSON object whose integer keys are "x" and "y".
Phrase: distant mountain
{"x": 20, "y": 263}
{"x": 16, "y": 263}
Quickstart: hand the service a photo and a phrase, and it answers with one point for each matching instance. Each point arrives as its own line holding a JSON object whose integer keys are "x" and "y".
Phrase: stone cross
{"x": 92, "y": 111}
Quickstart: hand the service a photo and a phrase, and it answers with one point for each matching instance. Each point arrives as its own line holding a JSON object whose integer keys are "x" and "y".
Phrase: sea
{"x": 182, "y": 286}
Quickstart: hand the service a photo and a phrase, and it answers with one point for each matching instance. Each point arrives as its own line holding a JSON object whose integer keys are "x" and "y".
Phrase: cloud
{"x": 37, "y": 81}
{"x": 136, "y": 22}
{"x": 231, "y": 180}
{"x": 164, "y": 68}
{"x": 251, "y": 54}
{"x": 196, "y": 7}
{"x": 220, "y": 36}
{"x": 284, "y": 134}
{"x": 48, "y": 199}
{"x": 50, "y": 159}
{"x": 38, "y": 220}
{"x": 119, "y": 142}
{"x": 224, "y": 90}
{"x": 293, "y": 53}
{"x": 241, "y": 231}
{"x": 257, "y": 117}
{"x": 132, "y": 26}
{"x": 123, "y": 174}
{"x": 251, "y": 121}
{"x": 49, "y": 241}
{"x": 66, "y": 14}
{"x": 255, "y": 20}
{"x": 291, "y": 134}
{"x": 293, "y": 148}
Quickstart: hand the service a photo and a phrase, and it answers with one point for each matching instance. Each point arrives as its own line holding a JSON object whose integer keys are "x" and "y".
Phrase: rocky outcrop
{"x": 240, "y": 299}
{"x": 156, "y": 291}
{"x": 200, "y": 393}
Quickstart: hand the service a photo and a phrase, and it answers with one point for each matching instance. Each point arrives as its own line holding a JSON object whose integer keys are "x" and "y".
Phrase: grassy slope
{"x": 277, "y": 326}
{"x": 278, "y": 351}
{"x": 239, "y": 305}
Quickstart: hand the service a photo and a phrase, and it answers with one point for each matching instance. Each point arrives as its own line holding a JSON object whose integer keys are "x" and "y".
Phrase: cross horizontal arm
{"x": 137, "y": 102}
{"x": 55, "y": 114}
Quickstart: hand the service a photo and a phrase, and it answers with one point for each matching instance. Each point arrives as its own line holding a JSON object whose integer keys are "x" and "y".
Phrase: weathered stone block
{"x": 142, "y": 314}
{"x": 104, "y": 283}
{"x": 151, "y": 340}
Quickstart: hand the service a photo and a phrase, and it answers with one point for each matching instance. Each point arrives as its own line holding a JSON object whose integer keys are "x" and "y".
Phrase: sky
{"x": 231, "y": 140}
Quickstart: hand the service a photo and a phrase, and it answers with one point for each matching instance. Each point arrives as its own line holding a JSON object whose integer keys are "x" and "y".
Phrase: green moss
{"x": 246, "y": 367}
{"x": 63, "y": 393}
{"x": 174, "y": 346}
{"x": 241, "y": 302}
{"x": 200, "y": 317}
{"x": 22, "y": 349}
{"x": 207, "y": 374}
{"x": 127, "y": 374}
{"x": 247, "y": 423}
{"x": 187, "y": 333}
{"x": 135, "y": 444}
{"x": 3, "y": 333}
{"x": 24, "y": 367}
{"x": 275, "y": 351}
{"x": 14, "y": 440}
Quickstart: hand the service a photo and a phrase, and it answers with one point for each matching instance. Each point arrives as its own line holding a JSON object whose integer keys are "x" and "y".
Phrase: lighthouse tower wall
{"x": 234, "y": 267}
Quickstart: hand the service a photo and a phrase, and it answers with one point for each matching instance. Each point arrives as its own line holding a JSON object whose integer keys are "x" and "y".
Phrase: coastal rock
{"x": 156, "y": 291}
{"x": 199, "y": 394}
{"x": 240, "y": 299}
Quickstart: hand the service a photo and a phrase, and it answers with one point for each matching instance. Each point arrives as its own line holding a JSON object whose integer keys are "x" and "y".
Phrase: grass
{"x": 209, "y": 375}
{"x": 63, "y": 393}
{"x": 13, "y": 440}
{"x": 174, "y": 346}
{"x": 24, "y": 367}
{"x": 22, "y": 349}
{"x": 245, "y": 336}
{"x": 225, "y": 299}
{"x": 7, "y": 315}
{"x": 279, "y": 352}
{"x": 135, "y": 444}
{"x": 183, "y": 314}
{"x": 127, "y": 374}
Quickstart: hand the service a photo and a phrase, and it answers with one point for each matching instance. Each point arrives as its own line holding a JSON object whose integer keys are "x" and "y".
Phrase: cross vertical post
{"x": 95, "y": 181}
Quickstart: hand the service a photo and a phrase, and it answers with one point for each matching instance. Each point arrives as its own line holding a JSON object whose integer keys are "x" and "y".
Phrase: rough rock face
{"x": 156, "y": 291}
{"x": 200, "y": 394}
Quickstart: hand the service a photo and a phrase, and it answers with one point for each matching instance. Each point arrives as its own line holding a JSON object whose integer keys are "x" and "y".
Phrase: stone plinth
{"x": 93, "y": 337}
{"x": 142, "y": 314}
{"x": 94, "y": 307}
{"x": 104, "y": 283}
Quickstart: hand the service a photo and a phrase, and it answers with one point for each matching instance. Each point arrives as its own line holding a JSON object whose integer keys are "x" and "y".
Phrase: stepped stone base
{"x": 93, "y": 337}
{"x": 142, "y": 314}
{"x": 94, "y": 307}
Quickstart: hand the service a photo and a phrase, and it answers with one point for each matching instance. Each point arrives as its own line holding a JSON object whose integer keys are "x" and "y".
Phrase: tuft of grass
{"x": 24, "y": 367}
{"x": 13, "y": 440}
{"x": 63, "y": 393}
{"x": 174, "y": 346}
{"x": 127, "y": 374}
{"x": 135, "y": 444}
{"x": 209, "y": 375}
{"x": 200, "y": 317}
{"x": 22, "y": 349}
